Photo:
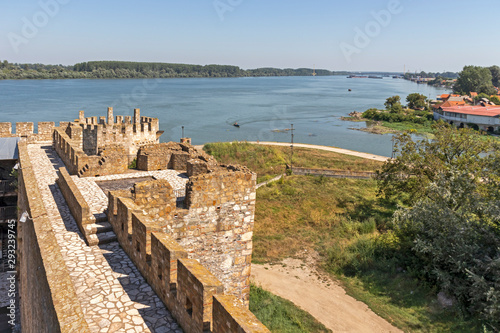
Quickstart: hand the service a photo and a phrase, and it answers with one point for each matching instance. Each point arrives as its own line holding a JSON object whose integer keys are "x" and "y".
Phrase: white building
{"x": 487, "y": 118}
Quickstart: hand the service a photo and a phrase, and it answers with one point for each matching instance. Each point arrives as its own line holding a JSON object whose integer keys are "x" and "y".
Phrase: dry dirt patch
{"x": 299, "y": 282}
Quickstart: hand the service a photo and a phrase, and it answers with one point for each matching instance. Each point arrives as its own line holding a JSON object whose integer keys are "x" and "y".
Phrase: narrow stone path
{"x": 112, "y": 293}
{"x": 275, "y": 179}
{"x": 98, "y": 201}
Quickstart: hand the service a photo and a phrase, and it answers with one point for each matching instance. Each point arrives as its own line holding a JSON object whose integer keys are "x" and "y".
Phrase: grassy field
{"x": 280, "y": 315}
{"x": 313, "y": 212}
{"x": 345, "y": 222}
{"x": 425, "y": 130}
{"x": 269, "y": 161}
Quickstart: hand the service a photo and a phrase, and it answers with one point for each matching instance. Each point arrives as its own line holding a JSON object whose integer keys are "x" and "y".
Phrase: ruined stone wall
{"x": 171, "y": 155}
{"x": 26, "y": 130}
{"x": 47, "y": 295}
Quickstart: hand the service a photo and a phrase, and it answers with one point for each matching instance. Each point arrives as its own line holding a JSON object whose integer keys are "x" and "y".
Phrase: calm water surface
{"x": 207, "y": 108}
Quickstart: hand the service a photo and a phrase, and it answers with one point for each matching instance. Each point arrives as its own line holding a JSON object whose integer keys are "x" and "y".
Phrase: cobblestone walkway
{"x": 113, "y": 294}
{"x": 98, "y": 201}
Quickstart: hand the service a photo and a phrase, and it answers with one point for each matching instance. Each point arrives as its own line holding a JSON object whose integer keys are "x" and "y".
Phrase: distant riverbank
{"x": 144, "y": 70}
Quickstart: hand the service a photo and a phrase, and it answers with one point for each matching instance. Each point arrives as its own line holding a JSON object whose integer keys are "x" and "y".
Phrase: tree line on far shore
{"x": 137, "y": 70}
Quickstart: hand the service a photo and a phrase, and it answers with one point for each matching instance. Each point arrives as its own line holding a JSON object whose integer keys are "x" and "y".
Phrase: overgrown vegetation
{"x": 396, "y": 118}
{"x": 280, "y": 315}
{"x": 417, "y": 111}
{"x": 270, "y": 161}
{"x": 450, "y": 230}
{"x": 307, "y": 212}
{"x": 406, "y": 179}
{"x": 133, "y": 164}
{"x": 127, "y": 70}
{"x": 446, "y": 241}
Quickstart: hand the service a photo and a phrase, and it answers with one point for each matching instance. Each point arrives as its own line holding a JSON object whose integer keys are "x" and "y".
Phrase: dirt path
{"x": 320, "y": 296}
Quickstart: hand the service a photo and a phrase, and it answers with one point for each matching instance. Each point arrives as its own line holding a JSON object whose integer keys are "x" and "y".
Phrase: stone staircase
{"x": 82, "y": 171}
{"x": 100, "y": 232}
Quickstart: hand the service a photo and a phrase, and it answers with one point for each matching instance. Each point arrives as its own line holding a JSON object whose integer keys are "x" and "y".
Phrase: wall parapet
{"x": 184, "y": 285}
{"x": 231, "y": 317}
{"x": 26, "y": 130}
{"x": 77, "y": 205}
{"x": 43, "y": 270}
{"x": 111, "y": 159}
{"x": 214, "y": 223}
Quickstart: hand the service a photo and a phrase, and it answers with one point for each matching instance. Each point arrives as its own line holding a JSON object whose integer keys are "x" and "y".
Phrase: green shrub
{"x": 280, "y": 315}
{"x": 133, "y": 164}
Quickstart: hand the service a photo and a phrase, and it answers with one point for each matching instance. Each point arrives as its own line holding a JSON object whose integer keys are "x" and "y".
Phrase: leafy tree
{"x": 397, "y": 109}
{"x": 454, "y": 235}
{"x": 416, "y": 101}
{"x": 450, "y": 235}
{"x": 482, "y": 95}
{"x": 495, "y": 74}
{"x": 474, "y": 78}
{"x": 495, "y": 100}
{"x": 392, "y": 101}
{"x": 406, "y": 178}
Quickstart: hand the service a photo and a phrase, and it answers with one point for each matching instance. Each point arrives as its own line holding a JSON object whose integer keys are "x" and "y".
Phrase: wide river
{"x": 207, "y": 108}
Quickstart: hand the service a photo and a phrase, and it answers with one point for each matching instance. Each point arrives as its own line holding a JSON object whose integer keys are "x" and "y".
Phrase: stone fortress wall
{"x": 97, "y": 147}
{"x": 48, "y": 298}
{"x": 26, "y": 130}
{"x": 193, "y": 247}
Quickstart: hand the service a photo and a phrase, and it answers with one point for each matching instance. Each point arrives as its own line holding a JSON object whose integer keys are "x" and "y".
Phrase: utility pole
{"x": 392, "y": 152}
{"x": 291, "y": 150}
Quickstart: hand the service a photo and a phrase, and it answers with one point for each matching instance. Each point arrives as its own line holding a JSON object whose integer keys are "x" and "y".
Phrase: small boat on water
{"x": 349, "y": 89}
{"x": 236, "y": 124}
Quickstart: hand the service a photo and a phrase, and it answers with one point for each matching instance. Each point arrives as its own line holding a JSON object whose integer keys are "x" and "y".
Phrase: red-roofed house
{"x": 449, "y": 103}
{"x": 487, "y": 118}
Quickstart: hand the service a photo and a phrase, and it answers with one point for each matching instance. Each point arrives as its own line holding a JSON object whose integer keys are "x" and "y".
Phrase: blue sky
{"x": 421, "y": 35}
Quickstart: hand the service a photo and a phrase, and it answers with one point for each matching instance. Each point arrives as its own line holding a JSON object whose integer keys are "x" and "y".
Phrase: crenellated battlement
{"x": 190, "y": 253}
{"x": 26, "y": 130}
{"x": 129, "y": 132}
{"x": 92, "y": 146}
{"x": 192, "y": 244}
{"x": 196, "y": 254}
